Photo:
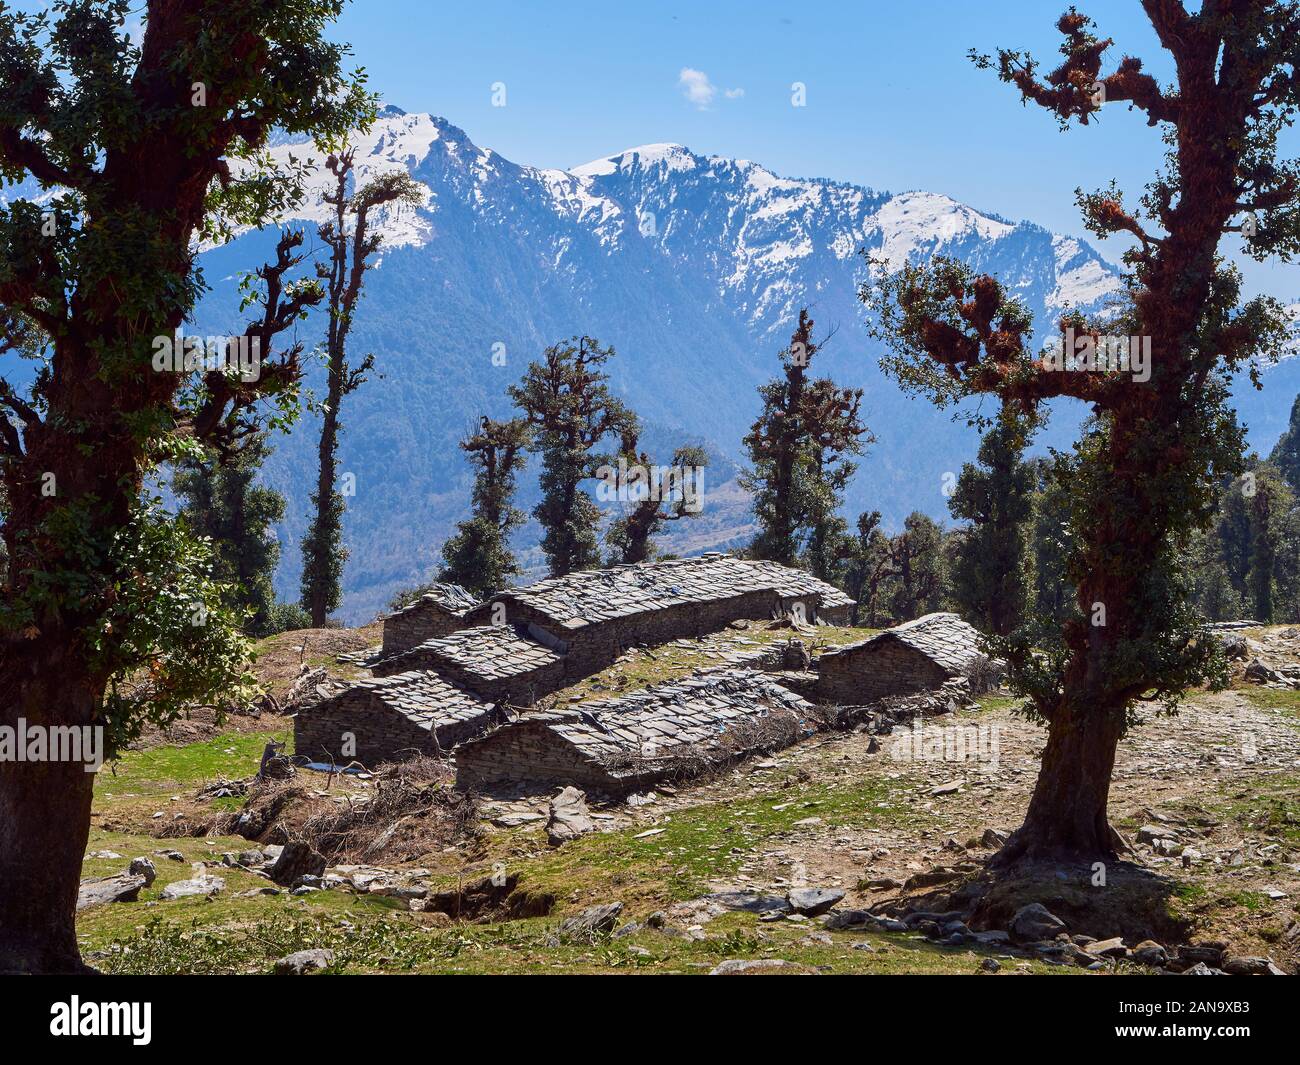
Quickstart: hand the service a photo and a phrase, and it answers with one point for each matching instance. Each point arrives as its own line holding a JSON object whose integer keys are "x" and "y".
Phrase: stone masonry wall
{"x": 380, "y": 732}
{"x": 525, "y": 752}
{"x": 855, "y": 678}
{"x": 594, "y": 647}
{"x": 422, "y": 621}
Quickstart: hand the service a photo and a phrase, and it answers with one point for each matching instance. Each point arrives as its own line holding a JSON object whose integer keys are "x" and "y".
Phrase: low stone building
{"x": 528, "y": 642}
{"x": 439, "y": 611}
{"x": 613, "y": 746}
{"x": 917, "y": 656}
{"x": 492, "y": 661}
{"x": 592, "y": 616}
{"x": 380, "y": 720}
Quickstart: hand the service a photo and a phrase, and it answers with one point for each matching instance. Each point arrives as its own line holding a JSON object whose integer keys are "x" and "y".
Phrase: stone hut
{"x": 613, "y": 746}
{"x": 493, "y": 661}
{"x": 592, "y": 616}
{"x": 439, "y": 611}
{"x": 389, "y": 716}
{"x": 917, "y": 656}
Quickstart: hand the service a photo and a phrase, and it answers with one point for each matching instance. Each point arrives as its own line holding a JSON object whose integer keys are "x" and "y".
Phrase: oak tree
{"x": 110, "y": 615}
{"x": 1142, "y": 475}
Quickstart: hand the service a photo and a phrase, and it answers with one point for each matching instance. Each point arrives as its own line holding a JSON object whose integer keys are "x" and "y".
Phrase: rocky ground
{"x": 847, "y": 853}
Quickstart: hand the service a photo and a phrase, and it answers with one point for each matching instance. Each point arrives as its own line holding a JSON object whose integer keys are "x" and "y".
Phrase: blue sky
{"x": 892, "y": 101}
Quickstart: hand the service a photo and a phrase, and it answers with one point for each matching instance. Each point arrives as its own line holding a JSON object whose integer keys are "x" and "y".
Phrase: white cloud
{"x": 699, "y": 90}
{"x": 696, "y": 87}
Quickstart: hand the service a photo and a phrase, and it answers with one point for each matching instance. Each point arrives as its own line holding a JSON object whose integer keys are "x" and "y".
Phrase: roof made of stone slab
{"x": 494, "y": 652}
{"x": 944, "y": 638}
{"x": 696, "y": 710}
{"x": 423, "y": 697}
{"x": 591, "y": 596}
{"x": 450, "y": 597}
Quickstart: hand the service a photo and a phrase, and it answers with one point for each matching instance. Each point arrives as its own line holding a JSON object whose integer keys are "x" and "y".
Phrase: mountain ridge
{"x": 694, "y": 267}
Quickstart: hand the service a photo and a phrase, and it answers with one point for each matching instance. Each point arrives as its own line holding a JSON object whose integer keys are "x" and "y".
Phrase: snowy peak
{"x": 672, "y": 158}
{"x": 742, "y": 233}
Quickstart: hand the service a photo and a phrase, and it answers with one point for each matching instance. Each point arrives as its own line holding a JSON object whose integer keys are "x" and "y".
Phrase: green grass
{"x": 398, "y": 943}
{"x": 706, "y": 843}
{"x": 150, "y": 778}
{"x": 1272, "y": 807}
{"x": 1271, "y": 698}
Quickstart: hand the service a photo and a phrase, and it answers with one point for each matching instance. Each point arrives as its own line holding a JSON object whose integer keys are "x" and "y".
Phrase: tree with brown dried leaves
{"x": 1143, "y": 474}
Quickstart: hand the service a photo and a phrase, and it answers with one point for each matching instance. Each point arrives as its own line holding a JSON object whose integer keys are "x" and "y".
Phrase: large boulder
{"x": 1258, "y": 673}
{"x": 296, "y": 860}
{"x": 814, "y": 901}
{"x": 202, "y": 884}
{"x": 96, "y": 891}
{"x": 590, "y": 923}
{"x": 569, "y": 817}
{"x": 1035, "y": 922}
{"x": 302, "y": 962}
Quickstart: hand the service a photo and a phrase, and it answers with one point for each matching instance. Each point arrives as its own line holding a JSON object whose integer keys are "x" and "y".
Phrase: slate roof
{"x": 943, "y": 638}
{"x": 451, "y": 597}
{"x": 424, "y": 698}
{"x": 698, "y": 710}
{"x": 494, "y": 652}
{"x": 589, "y": 597}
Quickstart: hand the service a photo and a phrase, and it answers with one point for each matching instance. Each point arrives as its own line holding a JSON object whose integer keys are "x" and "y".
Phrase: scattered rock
{"x": 1035, "y": 922}
{"x": 994, "y": 838}
{"x": 990, "y": 965}
{"x": 814, "y": 901}
{"x": 1258, "y": 673}
{"x": 1149, "y": 952}
{"x": 203, "y": 884}
{"x": 124, "y": 887}
{"x": 1201, "y": 969}
{"x": 1210, "y": 954}
{"x": 1107, "y": 948}
{"x": 1150, "y": 834}
{"x": 296, "y": 860}
{"x": 304, "y": 961}
{"x": 569, "y": 817}
{"x": 749, "y": 901}
{"x": 145, "y": 868}
{"x": 1244, "y": 966}
{"x": 761, "y": 967}
{"x": 593, "y": 921}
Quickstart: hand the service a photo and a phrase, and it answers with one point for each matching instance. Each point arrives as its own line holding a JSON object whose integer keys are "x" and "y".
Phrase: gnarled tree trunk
{"x": 1067, "y": 820}
{"x": 44, "y": 822}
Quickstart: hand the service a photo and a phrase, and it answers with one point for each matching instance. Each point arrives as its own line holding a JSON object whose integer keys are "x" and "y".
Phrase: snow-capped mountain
{"x": 693, "y": 267}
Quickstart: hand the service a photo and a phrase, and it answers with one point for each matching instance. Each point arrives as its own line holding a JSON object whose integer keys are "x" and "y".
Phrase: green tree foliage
{"x": 565, "y": 398}
{"x": 653, "y": 496}
{"x": 1286, "y": 454}
{"x": 221, "y": 502}
{"x": 111, "y": 614}
{"x": 868, "y": 560}
{"x": 798, "y": 448}
{"x": 918, "y": 568}
{"x": 1245, "y": 564}
{"x": 989, "y": 579}
{"x": 352, "y": 244}
{"x": 478, "y": 556}
{"x": 1051, "y": 594}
